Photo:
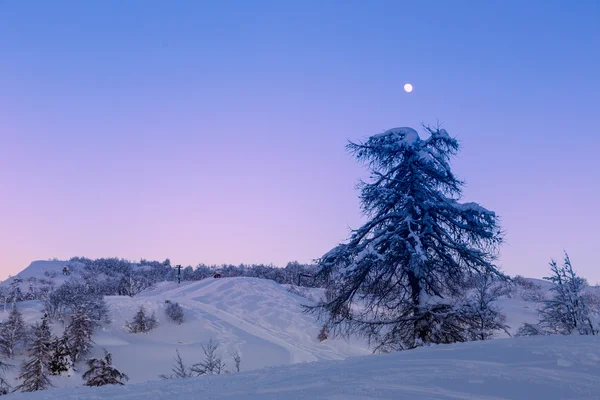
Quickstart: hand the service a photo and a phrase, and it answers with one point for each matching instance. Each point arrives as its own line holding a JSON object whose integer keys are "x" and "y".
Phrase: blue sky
{"x": 214, "y": 131}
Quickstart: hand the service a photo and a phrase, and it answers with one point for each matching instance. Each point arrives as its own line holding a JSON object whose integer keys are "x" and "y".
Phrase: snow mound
{"x": 548, "y": 368}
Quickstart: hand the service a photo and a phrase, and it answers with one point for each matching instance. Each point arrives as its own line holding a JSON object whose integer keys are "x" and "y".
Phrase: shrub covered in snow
{"x": 174, "y": 312}
{"x": 101, "y": 372}
{"x": 142, "y": 323}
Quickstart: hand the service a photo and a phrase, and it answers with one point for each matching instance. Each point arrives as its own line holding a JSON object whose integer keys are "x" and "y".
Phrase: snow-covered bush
{"x": 142, "y": 323}
{"x": 175, "y": 313}
{"x": 101, "y": 372}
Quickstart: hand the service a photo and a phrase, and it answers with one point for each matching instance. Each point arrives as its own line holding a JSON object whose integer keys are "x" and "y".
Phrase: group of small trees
{"x": 54, "y": 355}
{"x": 77, "y": 294}
{"x": 143, "y": 322}
{"x": 211, "y": 364}
{"x": 50, "y": 355}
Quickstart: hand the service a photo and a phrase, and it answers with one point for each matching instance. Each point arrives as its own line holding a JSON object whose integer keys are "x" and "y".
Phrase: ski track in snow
{"x": 257, "y": 308}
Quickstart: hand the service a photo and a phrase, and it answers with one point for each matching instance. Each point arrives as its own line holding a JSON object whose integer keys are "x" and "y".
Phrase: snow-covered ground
{"x": 258, "y": 318}
{"x": 544, "y": 368}
{"x": 277, "y": 341}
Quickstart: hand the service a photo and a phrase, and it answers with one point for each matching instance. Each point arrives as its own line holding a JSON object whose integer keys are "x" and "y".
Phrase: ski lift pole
{"x": 178, "y": 274}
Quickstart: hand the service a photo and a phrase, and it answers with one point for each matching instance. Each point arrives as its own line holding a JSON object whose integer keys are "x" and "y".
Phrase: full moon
{"x": 408, "y": 88}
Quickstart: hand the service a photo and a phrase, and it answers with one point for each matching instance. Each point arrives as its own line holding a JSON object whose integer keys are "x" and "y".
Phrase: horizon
{"x": 154, "y": 130}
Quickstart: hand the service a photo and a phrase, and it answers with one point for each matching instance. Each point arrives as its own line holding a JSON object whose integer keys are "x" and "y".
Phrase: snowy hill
{"x": 545, "y": 368}
{"x": 259, "y": 318}
{"x": 45, "y": 270}
{"x": 264, "y": 322}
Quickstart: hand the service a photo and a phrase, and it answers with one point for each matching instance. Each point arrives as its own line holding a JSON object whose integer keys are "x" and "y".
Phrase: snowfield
{"x": 282, "y": 358}
{"x": 545, "y": 368}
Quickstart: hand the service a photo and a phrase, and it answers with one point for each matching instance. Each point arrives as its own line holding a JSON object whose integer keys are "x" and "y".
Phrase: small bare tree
{"x": 180, "y": 370}
{"x": 237, "y": 360}
{"x": 212, "y": 363}
{"x": 486, "y": 315}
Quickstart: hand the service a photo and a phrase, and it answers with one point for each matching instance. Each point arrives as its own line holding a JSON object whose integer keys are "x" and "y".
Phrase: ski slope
{"x": 258, "y": 318}
{"x": 541, "y": 368}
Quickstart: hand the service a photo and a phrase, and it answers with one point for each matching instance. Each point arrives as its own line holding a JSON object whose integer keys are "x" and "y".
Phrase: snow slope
{"x": 258, "y": 318}
{"x": 544, "y": 368}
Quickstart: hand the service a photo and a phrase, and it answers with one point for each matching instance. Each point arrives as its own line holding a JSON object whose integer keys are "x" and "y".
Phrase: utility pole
{"x": 178, "y": 274}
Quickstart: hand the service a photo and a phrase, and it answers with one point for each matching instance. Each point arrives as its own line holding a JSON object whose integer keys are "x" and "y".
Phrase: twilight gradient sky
{"x": 214, "y": 131}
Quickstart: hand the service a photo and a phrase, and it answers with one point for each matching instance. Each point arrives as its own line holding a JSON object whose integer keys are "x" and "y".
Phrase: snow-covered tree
{"x": 101, "y": 372}
{"x": 5, "y": 387}
{"x": 179, "y": 369}
{"x": 12, "y": 333}
{"x": 486, "y": 315}
{"x": 15, "y": 293}
{"x": 175, "y": 313}
{"x": 79, "y": 333}
{"x": 569, "y": 310}
{"x": 405, "y": 266}
{"x": 212, "y": 364}
{"x": 142, "y": 323}
{"x": 60, "y": 361}
{"x": 34, "y": 372}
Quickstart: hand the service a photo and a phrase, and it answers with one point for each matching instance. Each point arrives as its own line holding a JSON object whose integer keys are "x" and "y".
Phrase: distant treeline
{"x": 115, "y": 276}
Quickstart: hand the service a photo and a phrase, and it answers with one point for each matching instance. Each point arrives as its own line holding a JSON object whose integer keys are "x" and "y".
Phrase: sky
{"x": 215, "y": 131}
